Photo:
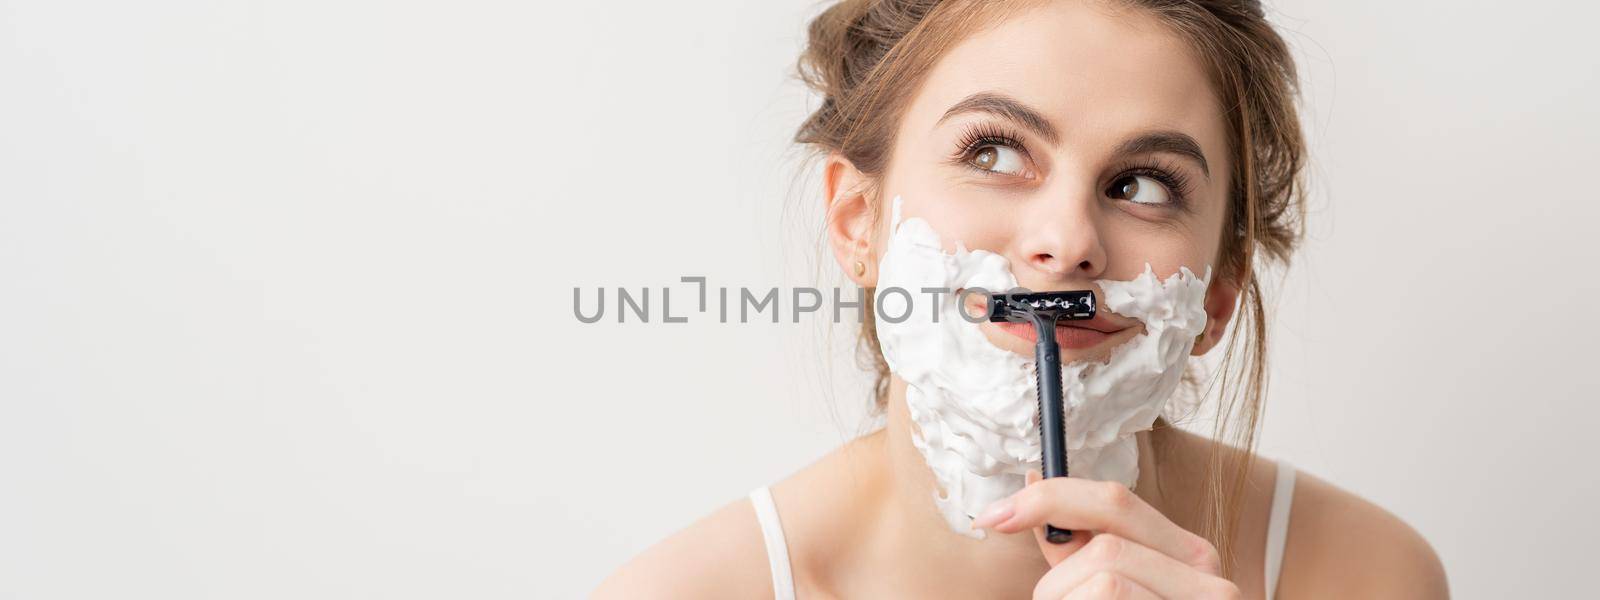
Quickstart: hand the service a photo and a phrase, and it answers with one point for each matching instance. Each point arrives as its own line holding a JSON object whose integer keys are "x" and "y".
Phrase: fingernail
{"x": 996, "y": 513}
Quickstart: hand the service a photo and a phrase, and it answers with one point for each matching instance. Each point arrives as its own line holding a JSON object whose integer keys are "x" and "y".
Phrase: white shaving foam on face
{"x": 975, "y": 405}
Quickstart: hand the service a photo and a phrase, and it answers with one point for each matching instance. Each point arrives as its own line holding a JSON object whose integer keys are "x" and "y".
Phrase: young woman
{"x": 1081, "y": 140}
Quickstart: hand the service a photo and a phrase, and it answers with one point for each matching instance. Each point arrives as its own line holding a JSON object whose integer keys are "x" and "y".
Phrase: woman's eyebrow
{"x": 1173, "y": 142}
{"x": 1008, "y": 107}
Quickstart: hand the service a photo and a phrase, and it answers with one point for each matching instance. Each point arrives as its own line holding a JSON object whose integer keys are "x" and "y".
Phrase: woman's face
{"x": 1077, "y": 141}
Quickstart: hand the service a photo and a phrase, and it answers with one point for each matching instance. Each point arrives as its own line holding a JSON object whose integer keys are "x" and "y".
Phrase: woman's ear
{"x": 1222, "y": 298}
{"x": 849, "y": 219}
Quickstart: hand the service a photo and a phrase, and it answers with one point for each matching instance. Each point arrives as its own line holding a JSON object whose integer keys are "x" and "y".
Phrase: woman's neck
{"x": 910, "y": 527}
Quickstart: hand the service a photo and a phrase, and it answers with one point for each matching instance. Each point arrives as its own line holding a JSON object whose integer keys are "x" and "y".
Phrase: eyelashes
{"x": 983, "y": 135}
{"x": 1173, "y": 178}
{"x": 976, "y": 136}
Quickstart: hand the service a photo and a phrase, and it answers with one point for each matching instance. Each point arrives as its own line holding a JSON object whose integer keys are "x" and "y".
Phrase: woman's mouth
{"x": 1095, "y": 335}
{"x": 1067, "y": 336}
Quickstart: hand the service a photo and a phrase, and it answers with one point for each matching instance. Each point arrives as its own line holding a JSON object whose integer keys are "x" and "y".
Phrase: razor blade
{"x": 1018, "y": 308}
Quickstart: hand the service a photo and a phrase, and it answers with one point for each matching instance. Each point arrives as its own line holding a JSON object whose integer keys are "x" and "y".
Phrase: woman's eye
{"x": 999, "y": 159}
{"x": 1138, "y": 189}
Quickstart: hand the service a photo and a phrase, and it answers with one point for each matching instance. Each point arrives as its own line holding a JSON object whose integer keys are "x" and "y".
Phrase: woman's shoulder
{"x": 721, "y": 555}
{"x": 1338, "y": 539}
{"x": 724, "y": 554}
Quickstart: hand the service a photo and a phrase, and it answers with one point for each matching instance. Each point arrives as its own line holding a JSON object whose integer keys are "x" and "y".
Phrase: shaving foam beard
{"x": 975, "y": 405}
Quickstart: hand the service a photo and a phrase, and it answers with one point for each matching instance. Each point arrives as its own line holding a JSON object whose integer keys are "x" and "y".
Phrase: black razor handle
{"x": 1043, "y": 309}
{"x": 1052, "y": 420}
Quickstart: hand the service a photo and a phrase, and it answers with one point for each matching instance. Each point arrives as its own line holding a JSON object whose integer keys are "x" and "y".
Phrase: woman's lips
{"x": 1067, "y": 336}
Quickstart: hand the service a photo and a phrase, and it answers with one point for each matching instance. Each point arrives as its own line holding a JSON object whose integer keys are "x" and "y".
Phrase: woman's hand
{"x": 1121, "y": 546}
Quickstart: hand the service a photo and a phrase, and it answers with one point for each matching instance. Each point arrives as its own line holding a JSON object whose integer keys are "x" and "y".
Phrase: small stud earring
{"x": 861, "y": 268}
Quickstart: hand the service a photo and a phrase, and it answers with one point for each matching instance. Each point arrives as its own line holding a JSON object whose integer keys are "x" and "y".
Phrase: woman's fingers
{"x": 1126, "y": 548}
{"x": 1100, "y": 506}
{"x": 1137, "y": 564}
{"x": 1106, "y": 586}
{"x": 1055, "y": 553}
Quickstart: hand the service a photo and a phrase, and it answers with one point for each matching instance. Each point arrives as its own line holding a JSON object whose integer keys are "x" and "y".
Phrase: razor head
{"x": 1015, "y": 308}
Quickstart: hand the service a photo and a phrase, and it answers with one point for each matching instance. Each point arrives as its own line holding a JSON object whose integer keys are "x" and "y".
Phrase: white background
{"x": 286, "y": 289}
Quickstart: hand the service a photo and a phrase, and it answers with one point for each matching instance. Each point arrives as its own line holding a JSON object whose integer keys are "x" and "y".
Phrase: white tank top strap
{"x": 1278, "y": 524}
{"x": 777, "y": 548}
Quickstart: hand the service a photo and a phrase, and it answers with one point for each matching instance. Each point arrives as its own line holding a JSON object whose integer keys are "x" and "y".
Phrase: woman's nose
{"x": 1062, "y": 239}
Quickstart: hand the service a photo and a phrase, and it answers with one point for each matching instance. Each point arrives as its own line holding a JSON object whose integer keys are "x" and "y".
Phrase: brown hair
{"x": 866, "y": 57}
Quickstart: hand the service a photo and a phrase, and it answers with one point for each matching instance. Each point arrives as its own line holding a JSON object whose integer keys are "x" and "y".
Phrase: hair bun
{"x": 846, "y": 42}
